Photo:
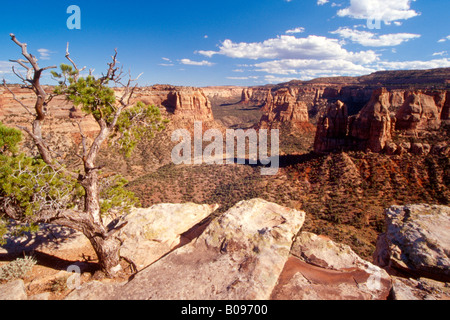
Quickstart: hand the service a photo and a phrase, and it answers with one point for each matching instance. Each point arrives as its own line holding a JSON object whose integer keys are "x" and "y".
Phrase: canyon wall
{"x": 180, "y": 105}
{"x": 223, "y": 94}
{"x": 411, "y": 113}
{"x": 285, "y": 108}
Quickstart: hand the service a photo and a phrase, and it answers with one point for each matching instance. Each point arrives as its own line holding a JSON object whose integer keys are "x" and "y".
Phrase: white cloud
{"x": 413, "y": 65}
{"x": 243, "y": 78}
{"x": 44, "y": 54}
{"x": 5, "y": 67}
{"x": 321, "y": 2}
{"x": 296, "y": 30}
{"x": 442, "y": 53}
{"x": 166, "y": 59}
{"x": 369, "y": 39}
{"x": 196, "y": 63}
{"x": 385, "y": 10}
{"x": 313, "y": 68}
{"x": 444, "y": 39}
{"x": 290, "y": 47}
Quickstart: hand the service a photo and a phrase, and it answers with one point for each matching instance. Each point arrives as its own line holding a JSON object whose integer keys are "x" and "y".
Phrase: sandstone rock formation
{"x": 370, "y": 129}
{"x": 416, "y": 242}
{"x": 372, "y": 126}
{"x": 182, "y": 106}
{"x": 284, "y": 108}
{"x": 258, "y": 96}
{"x": 320, "y": 269}
{"x": 223, "y": 94}
{"x": 254, "y": 252}
{"x": 419, "y": 111}
{"x": 420, "y": 289}
{"x": 239, "y": 256}
{"x": 152, "y": 232}
{"x": 332, "y": 128}
{"x": 180, "y": 103}
{"x": 13, "y": 290}
{"x": 387, "y": 112}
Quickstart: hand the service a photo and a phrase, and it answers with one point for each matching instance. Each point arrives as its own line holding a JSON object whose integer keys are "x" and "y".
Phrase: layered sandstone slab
{"x": 416, "y": 242}
{"x": 238, "y": 257}
{"x": 152, "y": 232}
{"x": 320, "y": 269}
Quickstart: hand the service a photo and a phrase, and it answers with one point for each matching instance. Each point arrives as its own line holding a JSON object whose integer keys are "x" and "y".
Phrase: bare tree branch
{"x": 24, "y": 80}
{"x": 73, "y": 63}
{"x": 83, "y": 140}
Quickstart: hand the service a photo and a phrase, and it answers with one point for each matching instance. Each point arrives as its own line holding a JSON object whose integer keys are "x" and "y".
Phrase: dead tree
{"x": 88, "y": 218}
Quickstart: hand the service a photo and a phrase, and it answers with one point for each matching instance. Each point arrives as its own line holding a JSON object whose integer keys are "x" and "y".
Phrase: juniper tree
{"x": 46, "y": 189}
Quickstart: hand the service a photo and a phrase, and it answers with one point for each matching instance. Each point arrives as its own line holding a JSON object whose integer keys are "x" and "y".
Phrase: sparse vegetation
{"x": 17, "y": 269}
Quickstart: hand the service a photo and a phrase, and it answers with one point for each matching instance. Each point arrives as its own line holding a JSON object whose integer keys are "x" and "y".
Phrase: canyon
{"x": 356, "y": 154}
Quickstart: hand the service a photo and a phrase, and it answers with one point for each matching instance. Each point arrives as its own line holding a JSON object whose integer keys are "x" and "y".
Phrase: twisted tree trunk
{"x": 88, "y": 220}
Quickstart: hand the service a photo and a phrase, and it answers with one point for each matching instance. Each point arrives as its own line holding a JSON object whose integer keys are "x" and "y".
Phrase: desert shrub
{"x": 17, "y": 269}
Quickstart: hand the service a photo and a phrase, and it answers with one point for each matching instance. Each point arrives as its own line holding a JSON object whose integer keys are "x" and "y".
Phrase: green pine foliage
{"x": 135, "y": 124}
{"x": 115, "y": 197}
{"x": 32, "y": 188}
{"x": 9, "y": 139}
{"x": 93, "y": 95}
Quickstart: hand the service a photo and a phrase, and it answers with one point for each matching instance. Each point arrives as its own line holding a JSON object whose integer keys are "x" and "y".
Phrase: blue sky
{"x": 255, "y": 42}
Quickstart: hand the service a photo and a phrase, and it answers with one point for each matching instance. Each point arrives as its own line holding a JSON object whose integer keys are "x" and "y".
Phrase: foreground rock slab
{"x": 13, "y": 290}
{"x": 152, "y": 232}
{"x": 416, "y": 242}
{"x": 238, "y": 257}
{"x": 320, "y": 269}
{"x": 420, "y": 289}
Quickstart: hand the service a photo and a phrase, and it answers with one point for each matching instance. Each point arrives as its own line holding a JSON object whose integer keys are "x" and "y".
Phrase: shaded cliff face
{"x": 421, "y": 111}
{"x": 411, "y": 113}
{"x": 284, "y": 107}
{"x": 257, "y": 96}
{"x": 332, "y": 127}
